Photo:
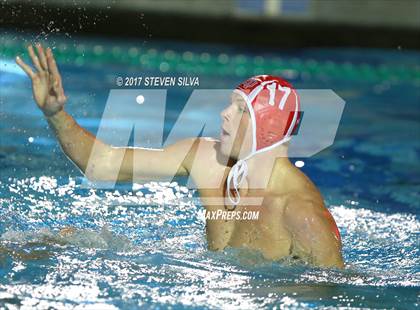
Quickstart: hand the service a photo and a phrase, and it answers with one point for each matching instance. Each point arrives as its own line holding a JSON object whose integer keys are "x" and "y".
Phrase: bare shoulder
{"x": 301, "y": 210}
{"x": 314, "y": 231}
{"x": 298, "y": 206}
{"x": 300, "y": 186}
{"x": 295, "y": 202}
{"x": 296, "y": 189}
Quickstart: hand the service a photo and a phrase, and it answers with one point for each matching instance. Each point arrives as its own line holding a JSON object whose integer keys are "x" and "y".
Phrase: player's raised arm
{"x": 77, "y": 143}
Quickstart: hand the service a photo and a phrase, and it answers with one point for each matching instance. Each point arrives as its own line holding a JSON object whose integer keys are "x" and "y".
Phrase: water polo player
{"x": 250, "y": 158}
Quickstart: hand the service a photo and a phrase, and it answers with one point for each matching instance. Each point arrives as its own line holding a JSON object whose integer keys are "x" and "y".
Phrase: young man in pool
{"x": 250, "y": 158}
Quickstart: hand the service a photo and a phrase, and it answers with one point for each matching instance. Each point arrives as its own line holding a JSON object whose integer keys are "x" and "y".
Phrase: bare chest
{"x": 262, "y": 229}
{"x": 252, "y": 226}
{"x": 255, "y": 227}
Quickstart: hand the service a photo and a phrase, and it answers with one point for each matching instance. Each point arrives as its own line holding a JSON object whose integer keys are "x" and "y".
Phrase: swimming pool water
{"x": 144, "y": 244}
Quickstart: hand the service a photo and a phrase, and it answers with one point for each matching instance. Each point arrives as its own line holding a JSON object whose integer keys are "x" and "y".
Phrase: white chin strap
{"x": 239, "y": 171}
{"x": 237, "y": 174}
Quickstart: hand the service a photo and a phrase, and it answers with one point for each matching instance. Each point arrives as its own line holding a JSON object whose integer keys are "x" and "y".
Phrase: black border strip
{"x": 244, "y": 31}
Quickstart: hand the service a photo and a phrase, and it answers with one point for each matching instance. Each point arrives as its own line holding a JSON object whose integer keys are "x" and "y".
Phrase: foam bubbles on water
{"x": 157, "y": 237}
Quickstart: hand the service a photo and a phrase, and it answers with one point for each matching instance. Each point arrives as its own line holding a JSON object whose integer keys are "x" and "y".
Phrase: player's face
{"x": 236, "y": 130}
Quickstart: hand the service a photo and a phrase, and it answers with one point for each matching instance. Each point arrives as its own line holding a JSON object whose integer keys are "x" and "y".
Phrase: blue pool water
{"x": 144, "y": 244}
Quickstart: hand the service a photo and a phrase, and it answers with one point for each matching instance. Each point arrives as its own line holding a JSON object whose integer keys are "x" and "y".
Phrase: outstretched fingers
{"x": 25, "y": 67}
{"x": 56, "y": 78}
{"x": 52, "y": 65}
{"x": 40, "y": 62}
{"x": 55, "y": 74}
{"x": 42, "y": 56}
{"x": 35, "y": 59}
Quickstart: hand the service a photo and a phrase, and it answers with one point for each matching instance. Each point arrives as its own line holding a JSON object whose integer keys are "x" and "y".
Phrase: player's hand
{"x": 46, "y": 80}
